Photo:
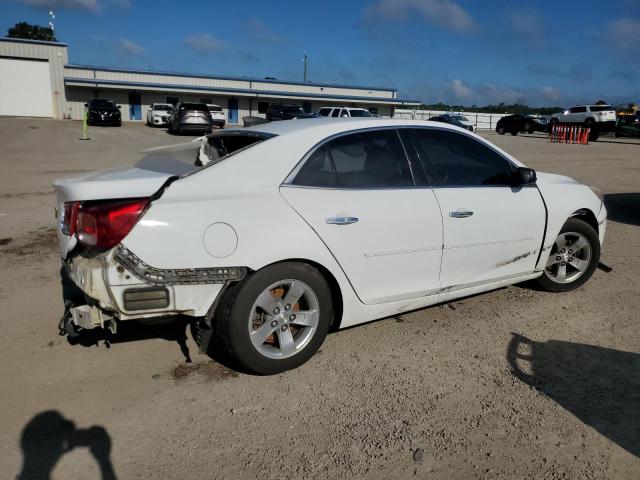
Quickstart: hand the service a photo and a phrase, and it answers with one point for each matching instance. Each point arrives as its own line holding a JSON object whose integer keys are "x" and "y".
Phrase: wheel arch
{"x": 587, "y": 216}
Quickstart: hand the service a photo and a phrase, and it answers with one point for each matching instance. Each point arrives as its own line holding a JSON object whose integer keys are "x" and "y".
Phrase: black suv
{"x": 103, "y": 112}
{"x": 278, "y": 111}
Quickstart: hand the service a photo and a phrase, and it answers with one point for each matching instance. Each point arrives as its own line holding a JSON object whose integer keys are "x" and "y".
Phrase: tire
{"x": 501, "y": 131}
{"x": 529, "y": 128}
{"x": 574, "y": 231}
{"x": 239, "y": 311}
{"x": 514, "y": 132}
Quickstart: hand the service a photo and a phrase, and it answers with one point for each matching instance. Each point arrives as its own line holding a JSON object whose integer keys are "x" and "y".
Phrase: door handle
{"x": 460, "y": 213}
{"x": 342, "y": 220}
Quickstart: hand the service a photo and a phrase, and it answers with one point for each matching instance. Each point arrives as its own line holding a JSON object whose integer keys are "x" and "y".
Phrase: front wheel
{"x": 276, "y": 319}
{"x": 501, "y": 131}
{"x": 573, "y": 259}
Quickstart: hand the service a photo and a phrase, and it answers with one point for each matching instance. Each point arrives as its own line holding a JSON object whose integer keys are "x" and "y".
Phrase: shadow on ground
{"x": 48, "y": 436}
{"x": 623, "y": 207}
{"x": 600, "y": 386}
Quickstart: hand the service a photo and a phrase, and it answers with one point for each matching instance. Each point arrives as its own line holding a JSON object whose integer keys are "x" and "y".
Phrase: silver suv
{"x": 344, "y": 112}
{"x": 587, "y": 115}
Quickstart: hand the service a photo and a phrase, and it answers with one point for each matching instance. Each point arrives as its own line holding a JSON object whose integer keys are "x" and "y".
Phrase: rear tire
{"x": 569, "y": 268}
{"x": 275, "y": 319}
{"x": 501, "y": 131}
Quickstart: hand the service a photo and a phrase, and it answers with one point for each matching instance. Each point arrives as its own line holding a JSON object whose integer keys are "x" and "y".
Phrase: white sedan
{"x": 289, "y": 229}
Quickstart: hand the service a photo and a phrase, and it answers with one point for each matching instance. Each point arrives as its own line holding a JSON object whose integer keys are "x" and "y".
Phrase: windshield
{"x": 164, "y": 108}
{"x": 460, "y": 118}
{"x": 101, "y": 103}
{"x": 215, "y": 108}
{"x": 360, "y": 113}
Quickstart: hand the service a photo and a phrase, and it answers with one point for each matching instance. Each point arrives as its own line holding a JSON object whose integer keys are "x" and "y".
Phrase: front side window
{"x": 459, "y": 160}
{"x": 359, "y": 160}
{"x": 324, "y": 112}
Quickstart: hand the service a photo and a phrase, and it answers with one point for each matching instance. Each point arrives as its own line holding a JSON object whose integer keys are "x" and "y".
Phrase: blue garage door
{"x": 135, "y": 109}
{"x": 233, "y": 110}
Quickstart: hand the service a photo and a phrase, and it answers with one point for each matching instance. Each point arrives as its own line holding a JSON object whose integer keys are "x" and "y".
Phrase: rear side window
{"x": 459, "y": 160}
{"x": 600, "y": 108}
{"x": 360, "y": 160}
{"x": 336, "y": 112}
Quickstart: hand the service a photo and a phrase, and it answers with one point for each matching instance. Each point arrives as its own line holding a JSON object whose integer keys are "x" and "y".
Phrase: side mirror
{"x": 86, "y": 105}
{"x": 119, "y": 106}
{"x": 525, "y": 176}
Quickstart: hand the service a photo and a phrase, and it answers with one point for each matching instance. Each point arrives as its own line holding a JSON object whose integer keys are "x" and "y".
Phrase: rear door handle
{"x": 342, "y": 220}
{"x": 460, "y": 213}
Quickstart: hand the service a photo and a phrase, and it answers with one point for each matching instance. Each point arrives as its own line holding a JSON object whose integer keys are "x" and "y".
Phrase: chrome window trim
{"x": 296, "y": 169}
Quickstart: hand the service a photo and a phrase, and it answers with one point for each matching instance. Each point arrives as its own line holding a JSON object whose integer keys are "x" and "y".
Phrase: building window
{"x": 172, "y": 100}
{"x": 263, "y": 107}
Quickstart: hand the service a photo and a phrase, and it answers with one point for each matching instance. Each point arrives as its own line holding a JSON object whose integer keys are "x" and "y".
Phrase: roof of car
{"x": 330, "y": 126}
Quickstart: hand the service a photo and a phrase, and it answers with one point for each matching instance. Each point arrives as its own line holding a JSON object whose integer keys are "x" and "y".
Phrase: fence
{"x": 482, "y": 121}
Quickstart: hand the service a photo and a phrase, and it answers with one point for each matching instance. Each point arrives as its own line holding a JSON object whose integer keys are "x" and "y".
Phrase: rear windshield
{"x": 187, "y": 158}
{"x": 215, "y": 108}
{"x": 199, "y": 107}
{"x": 600, "y": 108}
{"x": 360, "y": 113}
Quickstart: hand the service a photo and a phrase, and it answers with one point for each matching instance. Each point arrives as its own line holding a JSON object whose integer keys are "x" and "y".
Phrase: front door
{"x": 358, "y": 194}
{"x": 135, "y": 108}
{"x": 492, "y": 230}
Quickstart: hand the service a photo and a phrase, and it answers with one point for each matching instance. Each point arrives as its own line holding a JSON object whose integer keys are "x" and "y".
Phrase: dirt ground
{"x": 512, "y": 384}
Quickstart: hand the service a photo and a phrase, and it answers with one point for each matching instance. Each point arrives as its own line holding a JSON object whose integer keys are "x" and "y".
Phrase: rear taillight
{"x": 105, "y": 224}
{"x": 69, "y": 217}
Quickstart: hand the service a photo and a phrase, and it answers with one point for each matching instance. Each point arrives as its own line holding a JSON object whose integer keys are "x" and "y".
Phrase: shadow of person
{"x": 48, "y": 436}
{"x": 600, "y": 386}
{"x": 623, "y": 207}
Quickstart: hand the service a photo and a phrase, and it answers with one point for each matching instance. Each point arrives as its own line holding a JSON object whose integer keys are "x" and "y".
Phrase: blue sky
{"x": 465, "y": 51}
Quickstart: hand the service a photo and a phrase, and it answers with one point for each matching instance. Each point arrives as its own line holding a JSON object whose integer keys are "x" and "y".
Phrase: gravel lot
{"x": 511, "y": 384}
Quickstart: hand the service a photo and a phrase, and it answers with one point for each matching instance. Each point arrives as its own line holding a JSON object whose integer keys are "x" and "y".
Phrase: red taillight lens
{"x": 69, "y": 217}
{"x": 105, "y": 224}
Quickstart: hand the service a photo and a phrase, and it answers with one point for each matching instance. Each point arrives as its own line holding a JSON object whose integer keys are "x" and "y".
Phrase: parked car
{"x": 451, "y": 120}
{"x": 363, "y": 219}
{"x": 601, "y": 116}
{"x": 514, "y": 124}
{"x": 463, "y": 120}
{"x": 190, "y": 117}
{"x": 280, "y": 111}
{"x": 102, "y": 111}
{"x": 217, "y": 115}
{"x": 344, "y": 112}
{"x": 628, "y": 126}
{"x": 158, "y": 114}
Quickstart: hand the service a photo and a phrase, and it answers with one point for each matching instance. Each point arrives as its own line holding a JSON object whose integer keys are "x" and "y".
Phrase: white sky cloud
{"x": 446, "y": 14}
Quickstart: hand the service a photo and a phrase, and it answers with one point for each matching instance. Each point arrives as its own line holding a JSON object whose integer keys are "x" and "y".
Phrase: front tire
{"x": 275, "y": 319}
{"x": 501, "y": 131}
{"x": 573, "y": 259}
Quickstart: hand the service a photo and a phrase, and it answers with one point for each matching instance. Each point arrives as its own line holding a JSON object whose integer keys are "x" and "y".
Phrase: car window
{"x": 459, "y": 160}
{"x": 214, "y": 108}
{"x": 360, "y": 160}
{"x": 199, "y": 107}
{"x": 324, "y": 112}
{"x": 600, "y": 108}
{"x": 164, "y": 108}
{"x": 360, "y": 113}
{"x": 336, "y": 112}
{"x": 577, "y": 109}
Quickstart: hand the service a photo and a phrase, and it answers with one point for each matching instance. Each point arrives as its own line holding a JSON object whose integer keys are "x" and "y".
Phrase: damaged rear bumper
{"x": 117, "y": 285}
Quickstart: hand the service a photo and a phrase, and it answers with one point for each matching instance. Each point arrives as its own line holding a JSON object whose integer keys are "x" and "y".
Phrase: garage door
{"x": 25, "y": 88}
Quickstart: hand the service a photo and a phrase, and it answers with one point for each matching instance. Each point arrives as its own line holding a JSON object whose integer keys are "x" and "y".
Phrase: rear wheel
{"x": 573, "y": 259}
{"x": 276, "y": 319}
{"x": 528, "y": 128}
{"x": 501, "y": 131}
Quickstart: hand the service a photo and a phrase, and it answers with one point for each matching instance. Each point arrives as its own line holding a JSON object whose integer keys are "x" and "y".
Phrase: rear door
{"x": 380, "y": 221}
{"x": 492, "y": 230}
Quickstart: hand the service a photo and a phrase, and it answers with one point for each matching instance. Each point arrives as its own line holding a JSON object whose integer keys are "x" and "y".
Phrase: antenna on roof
{"x": 305, "y": 60}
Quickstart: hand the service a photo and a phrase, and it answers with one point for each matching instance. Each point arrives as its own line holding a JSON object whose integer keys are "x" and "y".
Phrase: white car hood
{"x": 552, "y": 178}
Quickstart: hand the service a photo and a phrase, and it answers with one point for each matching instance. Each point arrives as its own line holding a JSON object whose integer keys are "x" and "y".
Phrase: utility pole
{"x": 52, "y": 17}
{"x": 305, "y": 59}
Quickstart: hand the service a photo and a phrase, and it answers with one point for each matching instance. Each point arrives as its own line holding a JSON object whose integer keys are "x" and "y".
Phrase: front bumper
{"x": 161, "y": 121}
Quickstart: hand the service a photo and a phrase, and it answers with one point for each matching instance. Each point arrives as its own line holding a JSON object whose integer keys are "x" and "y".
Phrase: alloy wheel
{"x": 569, "y": 259}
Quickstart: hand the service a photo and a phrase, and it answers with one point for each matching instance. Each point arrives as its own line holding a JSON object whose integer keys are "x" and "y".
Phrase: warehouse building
{"x": 37, "y": 80}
